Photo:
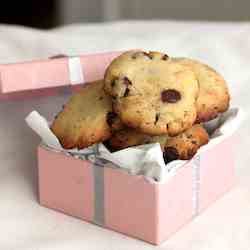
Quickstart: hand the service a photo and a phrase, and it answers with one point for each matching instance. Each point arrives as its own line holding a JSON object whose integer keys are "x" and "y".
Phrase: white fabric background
{"x": 24, "y": 225}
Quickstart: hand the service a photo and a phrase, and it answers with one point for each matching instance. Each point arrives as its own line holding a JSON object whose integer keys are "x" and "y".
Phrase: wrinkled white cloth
{"x": 25, "y": 225}
{"x": 146, "y": 160}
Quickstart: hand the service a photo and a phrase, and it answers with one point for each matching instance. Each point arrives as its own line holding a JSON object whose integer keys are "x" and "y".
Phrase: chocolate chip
{"x": 126, "y": 81}
{"x": 57, "y": 56}
{"x": 190, "y": 153}
{"x": 126, "y": 92}
{"x": 113, "y": 83}
{"x": 193, "y": 142}
{"x": 165, "y": 57}
{"x": 134, "y": 56}
{"x": 170, "y": 154}
{"x": 170, "y": 95}
{"x": 138, "y": 53}
{"x": 157, "y": 116}
{"x": 111, "y": 116}
{"x": 148, "y": 55}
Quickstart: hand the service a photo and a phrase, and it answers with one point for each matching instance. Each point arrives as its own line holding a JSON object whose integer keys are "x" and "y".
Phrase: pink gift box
{"x": 110, "y": 197}
{"x": 134, "y": 205}
{"x": 46, "y": 77}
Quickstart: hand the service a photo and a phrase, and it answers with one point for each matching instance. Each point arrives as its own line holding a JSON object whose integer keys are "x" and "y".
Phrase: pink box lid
{"x": 28, "y": 78}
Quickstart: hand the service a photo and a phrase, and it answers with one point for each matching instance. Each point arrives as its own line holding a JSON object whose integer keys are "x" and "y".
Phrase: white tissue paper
{"x": 144, "y": 160}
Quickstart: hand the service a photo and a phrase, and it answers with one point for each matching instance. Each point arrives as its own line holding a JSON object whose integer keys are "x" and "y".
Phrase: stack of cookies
{"x": 145, "y": 98}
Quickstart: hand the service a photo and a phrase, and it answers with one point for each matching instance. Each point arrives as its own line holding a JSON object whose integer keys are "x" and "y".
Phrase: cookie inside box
{"x": 148, "y": 113}
{"x": 145, "y": 159}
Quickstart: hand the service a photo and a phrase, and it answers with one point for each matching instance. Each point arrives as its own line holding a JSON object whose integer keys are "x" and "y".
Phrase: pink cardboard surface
{"x": 66, "y": 184}
{"x": 217, "y": 174}
{"x": 131, "y": 205}
{"x": 175, "y": 206}
{"x": 48, "y": 75}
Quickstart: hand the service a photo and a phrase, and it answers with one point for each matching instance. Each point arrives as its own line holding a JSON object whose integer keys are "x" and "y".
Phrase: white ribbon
{"x": 75, "y": 70}
{"x": 196, "y": 184}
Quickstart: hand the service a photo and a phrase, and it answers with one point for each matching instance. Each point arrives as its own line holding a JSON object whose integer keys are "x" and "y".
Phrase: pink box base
{"x": 132, "y": 205}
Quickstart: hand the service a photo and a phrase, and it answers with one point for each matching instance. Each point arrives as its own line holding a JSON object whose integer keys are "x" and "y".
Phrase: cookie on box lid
{"x": 183, "y": 146}
{"x": 151, "y": 93}
{"x": 87, "y": 118}
{"x": 213, "y": 95}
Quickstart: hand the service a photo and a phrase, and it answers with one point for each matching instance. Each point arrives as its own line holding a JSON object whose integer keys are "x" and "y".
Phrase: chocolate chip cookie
{"x": 152, "y": 93}
{"x": 128, "y": 137}
{"x": 183, "y": 146}
{"x": 86, "y": 119}
{"x": 213, "y": 95}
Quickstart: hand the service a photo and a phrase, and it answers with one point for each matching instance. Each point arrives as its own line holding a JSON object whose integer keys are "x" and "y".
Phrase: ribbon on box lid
{"x": 75, "y": 70}
{"x": 54, "y": 72}
{"x": 74, "y": 67}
